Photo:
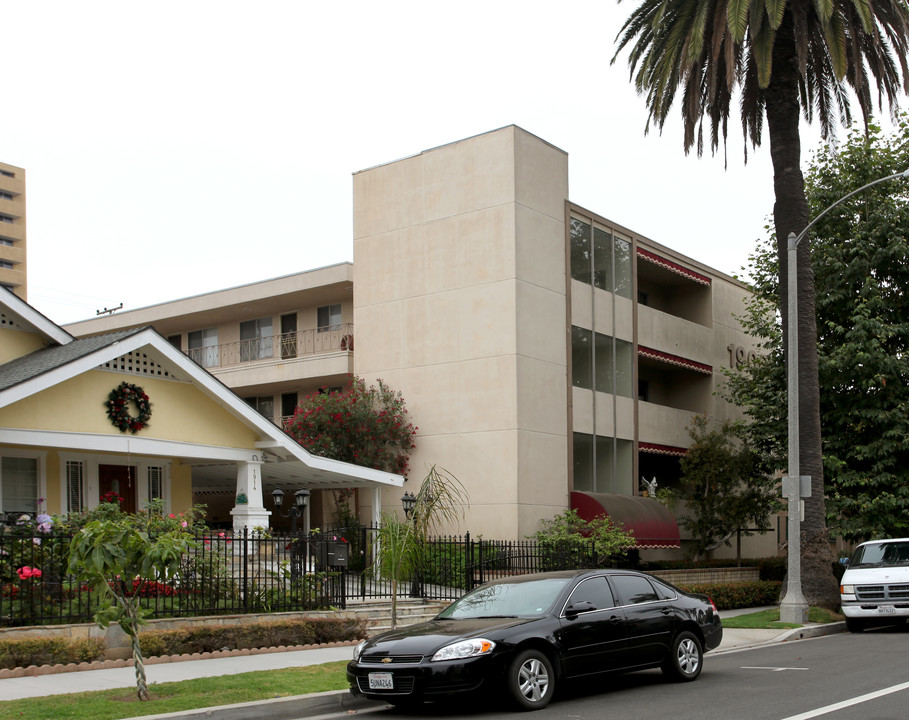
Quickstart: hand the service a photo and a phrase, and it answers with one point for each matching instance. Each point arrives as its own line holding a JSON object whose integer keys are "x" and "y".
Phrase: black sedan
{"x": 527, "y": 633}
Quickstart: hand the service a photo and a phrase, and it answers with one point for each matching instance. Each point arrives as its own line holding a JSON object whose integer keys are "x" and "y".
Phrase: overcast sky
{"x": 175, "y": 148}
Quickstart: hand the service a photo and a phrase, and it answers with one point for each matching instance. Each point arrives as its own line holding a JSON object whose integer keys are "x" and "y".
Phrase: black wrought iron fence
{"x": 224, "y": 574}
{"x": 252, "y": 573}
{"x": 450, "y": 566}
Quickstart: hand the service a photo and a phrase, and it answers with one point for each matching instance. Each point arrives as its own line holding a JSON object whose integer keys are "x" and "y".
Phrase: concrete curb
{"x": 813, "y": 631}
{"x": 791, "y": 635}
{"x": 287, "y": 708}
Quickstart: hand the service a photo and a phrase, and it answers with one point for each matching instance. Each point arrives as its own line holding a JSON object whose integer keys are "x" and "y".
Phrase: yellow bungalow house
{"x": 128, "y": 413}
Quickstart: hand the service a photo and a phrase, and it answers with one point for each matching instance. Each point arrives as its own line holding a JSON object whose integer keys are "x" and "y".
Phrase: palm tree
{"x": 786, "y": 57}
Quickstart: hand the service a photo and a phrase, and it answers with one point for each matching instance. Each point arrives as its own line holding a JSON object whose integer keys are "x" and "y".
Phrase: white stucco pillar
{"x": 252, "y": 513}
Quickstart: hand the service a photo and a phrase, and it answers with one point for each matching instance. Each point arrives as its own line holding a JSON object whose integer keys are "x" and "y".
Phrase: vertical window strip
{"x": 74, "y": 489}
{"x": 155, "y": 482}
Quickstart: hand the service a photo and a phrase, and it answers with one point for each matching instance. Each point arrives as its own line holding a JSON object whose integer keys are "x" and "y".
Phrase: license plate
{"x": 381, "y": 681}
{"x": 886, "y": 609}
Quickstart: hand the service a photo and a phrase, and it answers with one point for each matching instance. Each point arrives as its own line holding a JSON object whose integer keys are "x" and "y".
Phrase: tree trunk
{"x": 791, "y": 215}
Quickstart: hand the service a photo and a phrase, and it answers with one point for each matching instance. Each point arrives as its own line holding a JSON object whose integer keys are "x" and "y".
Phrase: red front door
{"x": 119, "y": 479}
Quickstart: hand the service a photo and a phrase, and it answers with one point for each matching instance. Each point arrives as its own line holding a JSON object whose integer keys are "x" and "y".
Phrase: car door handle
{"x": 615, "y": 619}
{"x": 666, "y": 611}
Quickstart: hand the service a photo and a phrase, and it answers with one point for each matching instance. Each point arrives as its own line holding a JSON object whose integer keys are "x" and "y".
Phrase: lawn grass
{"x": 177, "y": 696}
{"x": 770, "y": 619}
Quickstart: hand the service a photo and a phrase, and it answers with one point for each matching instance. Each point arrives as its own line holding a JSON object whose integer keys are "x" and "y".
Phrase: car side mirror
{"x": 575, "y": 609}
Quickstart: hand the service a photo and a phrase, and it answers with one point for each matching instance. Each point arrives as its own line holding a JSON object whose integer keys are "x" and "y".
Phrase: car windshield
{"x": 885, "y": 553}
{"x": 507, "y": 599}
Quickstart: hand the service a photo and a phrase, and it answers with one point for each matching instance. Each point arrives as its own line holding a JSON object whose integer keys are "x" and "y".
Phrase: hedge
{"x": 49, "y": 651}
{"x": 208, "y": 638}
{"x": 739, "y": 595}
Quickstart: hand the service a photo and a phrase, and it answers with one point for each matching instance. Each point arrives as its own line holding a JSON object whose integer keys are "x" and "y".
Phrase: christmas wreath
{"x": 118, "y": 407}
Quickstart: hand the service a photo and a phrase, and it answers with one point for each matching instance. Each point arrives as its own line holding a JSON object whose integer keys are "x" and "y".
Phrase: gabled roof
{"x": 18, "y": 313}
{"x": 25, "y": 376}
{"x": 47, "y": 359}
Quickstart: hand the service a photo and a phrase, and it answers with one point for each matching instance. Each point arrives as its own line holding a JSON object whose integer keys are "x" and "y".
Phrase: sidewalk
{"x": 302, "y": 705}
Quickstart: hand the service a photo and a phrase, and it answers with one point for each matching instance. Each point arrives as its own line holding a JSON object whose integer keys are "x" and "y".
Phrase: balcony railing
{"x": 274, "y": 348}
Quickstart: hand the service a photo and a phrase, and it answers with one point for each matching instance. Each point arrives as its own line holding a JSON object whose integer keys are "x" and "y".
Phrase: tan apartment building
{"x": 550, "y": 357}
{"x": 13, "y": 274}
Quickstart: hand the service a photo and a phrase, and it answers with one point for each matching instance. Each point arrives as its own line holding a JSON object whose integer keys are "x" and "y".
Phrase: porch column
{"x": 251, "y": 513}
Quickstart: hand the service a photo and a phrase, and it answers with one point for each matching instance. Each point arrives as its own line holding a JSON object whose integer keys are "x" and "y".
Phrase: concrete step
{"x": 408, "y": 612}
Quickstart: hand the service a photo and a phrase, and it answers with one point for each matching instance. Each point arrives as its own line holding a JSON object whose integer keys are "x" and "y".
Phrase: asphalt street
{"x": 836, "y": 677}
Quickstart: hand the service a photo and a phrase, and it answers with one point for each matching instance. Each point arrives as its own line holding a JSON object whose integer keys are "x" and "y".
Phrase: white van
{"x": 875, "y": 586}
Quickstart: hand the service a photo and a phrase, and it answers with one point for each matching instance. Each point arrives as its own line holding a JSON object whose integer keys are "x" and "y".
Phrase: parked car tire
{"x": 530, "y": 680}
{"x": 686, "y": 658}
{"x": 855, "y": 625}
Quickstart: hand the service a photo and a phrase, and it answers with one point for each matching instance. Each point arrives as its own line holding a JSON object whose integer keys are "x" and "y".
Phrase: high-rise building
{"x": 12, "y": 230}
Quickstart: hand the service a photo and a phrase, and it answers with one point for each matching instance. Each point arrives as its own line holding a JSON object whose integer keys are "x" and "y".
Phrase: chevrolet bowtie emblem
{"x": 386, "y": 660}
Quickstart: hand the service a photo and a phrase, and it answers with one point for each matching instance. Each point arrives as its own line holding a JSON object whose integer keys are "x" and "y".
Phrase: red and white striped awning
{"x": 673, "y": 267}
{"x": 671, "y": 359}
{"x": 657, "y": 449}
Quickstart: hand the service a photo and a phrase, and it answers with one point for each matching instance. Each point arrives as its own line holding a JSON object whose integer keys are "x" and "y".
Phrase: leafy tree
{"x": 110, "y": 552}
{"x": 363, "y": 426}
{"x": 787, "y": 57}
{"x": 726, "y": 487}
{"x": 570, "y": 531}
{"x": 861, "y": 265}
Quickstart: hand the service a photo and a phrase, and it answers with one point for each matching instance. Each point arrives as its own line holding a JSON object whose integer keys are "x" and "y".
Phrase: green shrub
{"x": 728, "y": 596}
{"x": 209, "y": 638}
{"x": 48, "y": 651}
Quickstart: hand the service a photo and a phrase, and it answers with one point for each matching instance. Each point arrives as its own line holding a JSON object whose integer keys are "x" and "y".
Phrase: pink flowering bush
{"x": 362, "y": 425}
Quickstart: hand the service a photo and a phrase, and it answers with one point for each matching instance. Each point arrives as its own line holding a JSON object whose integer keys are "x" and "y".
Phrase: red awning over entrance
{"x": 651, "y": 523}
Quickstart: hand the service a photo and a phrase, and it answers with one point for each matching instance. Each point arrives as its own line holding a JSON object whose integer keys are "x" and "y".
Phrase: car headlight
{"x": 465, "y": 649}
{"x": 847, "y": 589}
{"x": 358, "y": 650}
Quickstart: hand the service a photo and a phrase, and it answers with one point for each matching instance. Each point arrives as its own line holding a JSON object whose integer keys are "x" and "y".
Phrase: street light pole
{"x": 794, "y": 607}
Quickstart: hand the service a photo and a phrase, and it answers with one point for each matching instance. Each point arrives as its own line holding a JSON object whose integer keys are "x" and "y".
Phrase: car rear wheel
{"x": 855, "y": 625}
{"x": 685, "y": 658}
{"x": 530, "y": 681}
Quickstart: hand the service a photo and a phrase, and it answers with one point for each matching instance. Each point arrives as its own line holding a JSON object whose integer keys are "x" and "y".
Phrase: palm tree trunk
{"x": 791, "y": 215}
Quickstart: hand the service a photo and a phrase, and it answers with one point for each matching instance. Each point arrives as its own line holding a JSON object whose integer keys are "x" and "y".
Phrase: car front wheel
{"x": 530, "y": 680}
{"x": 685, "y": 659}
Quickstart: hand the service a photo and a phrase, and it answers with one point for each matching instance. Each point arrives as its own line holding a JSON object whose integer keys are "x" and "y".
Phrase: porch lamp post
{"x": 794, "y": 607}
{"x": 409, "y": 501}
{"x": 301, "y": 502}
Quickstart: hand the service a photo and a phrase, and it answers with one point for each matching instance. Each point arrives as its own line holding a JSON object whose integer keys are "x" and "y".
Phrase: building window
{"x": 155, "y": 482}
{"x": 176, "y": 341}
{"x": 5, "y": 196}
{"x": 580, "y": 251}
{"x": 644, "y": 390}
{"x": 581, "y": 358}
{"x": 75, "y": 486}
{"x": 7, "y": 173}
{"x": 289, "y": 402}
{"x": 603, "y": 464}
{"x": 6, "y": 241}
{"x": 328, "y": 317}
{"x": 7, "y": 219}
{"x": 203, "y": 347}
{"x": 601, "y": 362}
{"x": 325, "y": 390}
{"x": 19, "y": 484}
{"x": 265, "y": 404}
{"x": 600, "y": 258}
{"x": 256, "y": 337}
{"x": 6, "y": 265}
